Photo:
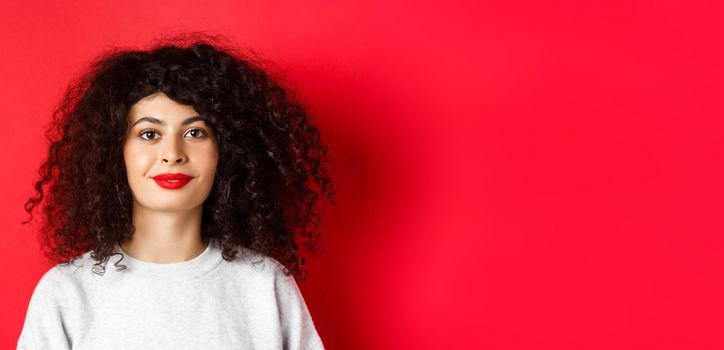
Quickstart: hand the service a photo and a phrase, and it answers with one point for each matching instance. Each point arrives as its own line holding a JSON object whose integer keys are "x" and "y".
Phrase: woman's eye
{"x": 147, "y": 132}
{"x": 202, "y": 132}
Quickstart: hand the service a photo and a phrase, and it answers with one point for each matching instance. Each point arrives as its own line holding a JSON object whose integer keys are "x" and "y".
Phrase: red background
{"x": 511, "y": 174}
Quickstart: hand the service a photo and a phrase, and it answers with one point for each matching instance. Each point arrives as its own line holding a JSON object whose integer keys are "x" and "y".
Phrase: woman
{"x": 196, "y": 175}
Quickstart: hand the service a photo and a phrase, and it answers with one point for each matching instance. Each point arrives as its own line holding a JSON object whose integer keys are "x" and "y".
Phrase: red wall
{"x": 511, "y": 175}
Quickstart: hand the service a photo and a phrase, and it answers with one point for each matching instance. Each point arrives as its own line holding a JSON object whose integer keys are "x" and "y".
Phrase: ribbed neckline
{"x": 197, "y": 266}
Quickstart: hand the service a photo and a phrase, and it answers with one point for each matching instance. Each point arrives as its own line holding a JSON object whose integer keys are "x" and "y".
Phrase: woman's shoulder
{"x": 252, "y": 261}
{"x": 58, "y": 279}
{"x": 68, "y": 272}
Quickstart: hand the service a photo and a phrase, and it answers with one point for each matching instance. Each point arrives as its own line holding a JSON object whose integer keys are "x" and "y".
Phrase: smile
{"x": 172, "y": 181}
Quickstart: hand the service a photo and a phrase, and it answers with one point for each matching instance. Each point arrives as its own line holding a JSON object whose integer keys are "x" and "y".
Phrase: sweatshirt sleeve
{"x": 298, "y": 329}
{"x": 43, "y": 327}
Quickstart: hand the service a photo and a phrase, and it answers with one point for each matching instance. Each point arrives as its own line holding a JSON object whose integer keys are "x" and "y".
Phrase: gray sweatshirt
{"x": 203, "y": 303}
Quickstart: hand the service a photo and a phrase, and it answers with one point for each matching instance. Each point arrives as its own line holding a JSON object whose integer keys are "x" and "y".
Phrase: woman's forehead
{"x": 161, "y": 109}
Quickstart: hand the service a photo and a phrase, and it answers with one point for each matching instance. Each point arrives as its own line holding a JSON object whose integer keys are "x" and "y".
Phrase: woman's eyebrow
{"x": 161, "y": 122}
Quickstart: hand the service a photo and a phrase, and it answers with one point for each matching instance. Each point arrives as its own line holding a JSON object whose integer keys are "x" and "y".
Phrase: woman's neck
{"x": 165, "y": 237}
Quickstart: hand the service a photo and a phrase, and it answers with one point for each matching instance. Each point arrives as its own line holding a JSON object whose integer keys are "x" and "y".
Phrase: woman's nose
{"x": 173, "y": 152}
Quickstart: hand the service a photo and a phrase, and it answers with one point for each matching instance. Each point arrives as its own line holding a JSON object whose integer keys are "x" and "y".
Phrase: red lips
{"x": 172, "y": 181}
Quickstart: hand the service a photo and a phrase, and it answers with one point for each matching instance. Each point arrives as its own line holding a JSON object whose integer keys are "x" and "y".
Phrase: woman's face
{"x": 169, "y": 138}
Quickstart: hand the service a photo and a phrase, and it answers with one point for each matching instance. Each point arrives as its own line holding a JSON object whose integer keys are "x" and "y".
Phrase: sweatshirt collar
{"x": 197, "y": 266}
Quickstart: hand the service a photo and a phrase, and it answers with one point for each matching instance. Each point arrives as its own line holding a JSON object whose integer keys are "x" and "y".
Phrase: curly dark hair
{"x": 272, "y": 164}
